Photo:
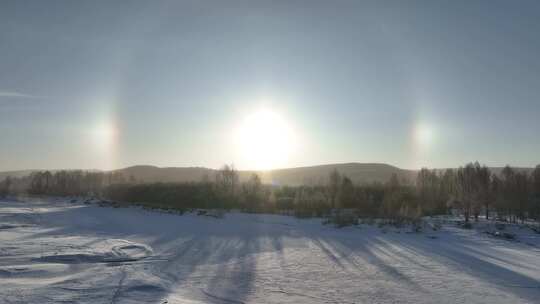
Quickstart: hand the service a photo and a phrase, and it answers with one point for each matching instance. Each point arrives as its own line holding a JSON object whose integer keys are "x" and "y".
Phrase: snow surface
{"x": 62, "y": 252}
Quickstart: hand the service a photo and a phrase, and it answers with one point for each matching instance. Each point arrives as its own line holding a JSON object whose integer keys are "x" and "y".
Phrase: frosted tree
{"x": 334, "y": 184}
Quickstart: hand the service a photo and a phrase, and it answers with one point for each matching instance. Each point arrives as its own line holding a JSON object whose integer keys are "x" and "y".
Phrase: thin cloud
{"x": 14, "y": 94}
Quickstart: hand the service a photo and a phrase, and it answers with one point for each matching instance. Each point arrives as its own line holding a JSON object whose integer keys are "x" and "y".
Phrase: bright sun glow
{"x": 423, "y": 135}
{"x": 264, "y": 140}
{"x": 104, "y": 137}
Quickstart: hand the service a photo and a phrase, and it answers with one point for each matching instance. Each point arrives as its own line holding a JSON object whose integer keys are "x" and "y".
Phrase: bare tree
{"x": 481, "y": 188}
{"x": 5, "y": 186}
{"x": 346, "y": 193}
{"x": 334, "y": 184}
{"x": 465, "y": 189}
{"x": 227, "y": 179}
{"x": 535, "y": 189}
{"x": 253, "y": 192}
{"x": 227, "y": 185}
{"x": 508, "y": 190}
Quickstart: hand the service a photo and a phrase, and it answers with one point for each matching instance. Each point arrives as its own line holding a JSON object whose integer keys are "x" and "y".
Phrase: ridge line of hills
{"x": 358, "y": 172}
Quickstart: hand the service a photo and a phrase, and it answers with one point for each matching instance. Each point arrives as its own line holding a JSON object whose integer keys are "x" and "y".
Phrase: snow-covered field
{"x": 60, "y": 252}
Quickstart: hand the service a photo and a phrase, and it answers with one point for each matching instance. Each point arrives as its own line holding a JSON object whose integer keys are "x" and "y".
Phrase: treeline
{"x": 63, "y": 183}
{"x": 223, "y": 192}
{"x": 472, "y": 190}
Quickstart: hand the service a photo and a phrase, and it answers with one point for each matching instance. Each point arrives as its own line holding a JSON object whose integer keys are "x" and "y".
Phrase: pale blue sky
{"x": 108, "y": 84}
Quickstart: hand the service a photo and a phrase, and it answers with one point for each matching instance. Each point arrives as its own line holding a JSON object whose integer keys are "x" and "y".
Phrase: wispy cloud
{"x": 17, "y": 101}
{"x": 14, "y": 94}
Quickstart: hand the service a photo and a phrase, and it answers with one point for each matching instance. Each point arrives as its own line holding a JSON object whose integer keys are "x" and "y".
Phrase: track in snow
{"x": 61, "y": 252}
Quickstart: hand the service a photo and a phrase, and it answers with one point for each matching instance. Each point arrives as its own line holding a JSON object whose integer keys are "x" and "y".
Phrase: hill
{"x": 17, "y": 173}
{"x": 360, "y": 173}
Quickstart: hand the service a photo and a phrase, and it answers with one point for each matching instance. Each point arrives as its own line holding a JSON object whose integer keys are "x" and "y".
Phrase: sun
{"x": 264, "y": 140}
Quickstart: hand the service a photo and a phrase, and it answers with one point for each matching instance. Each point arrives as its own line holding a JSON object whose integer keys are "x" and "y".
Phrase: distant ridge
{"x": 17, "y": 173}
{"x": 360, "y": 173}
{"x": 146, "y": 173}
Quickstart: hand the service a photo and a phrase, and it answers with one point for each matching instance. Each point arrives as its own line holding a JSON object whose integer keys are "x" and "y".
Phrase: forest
{"x": 471, "y": 191}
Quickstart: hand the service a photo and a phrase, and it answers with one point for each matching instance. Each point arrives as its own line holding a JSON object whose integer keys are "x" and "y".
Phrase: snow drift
{"x": 55, "y": 251}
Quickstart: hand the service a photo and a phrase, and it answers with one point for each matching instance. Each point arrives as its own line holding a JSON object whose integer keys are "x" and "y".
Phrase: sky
{"x": 265, "y": 84}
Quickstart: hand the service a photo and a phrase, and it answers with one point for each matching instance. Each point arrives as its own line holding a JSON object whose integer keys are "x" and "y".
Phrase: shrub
{"x": 416, "y": 226}
{"x": 500, "y": 226}
{"x": 343, "y": 219}
{"x": 508, "y": 236}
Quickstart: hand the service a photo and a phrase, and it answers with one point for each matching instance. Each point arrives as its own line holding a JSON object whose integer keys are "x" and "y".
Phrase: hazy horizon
{"x": 268, "y": 84}
{"x": 368, "y": 140}
{"x": 272, "y": 169}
